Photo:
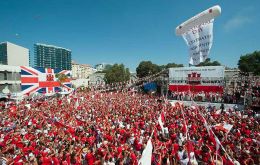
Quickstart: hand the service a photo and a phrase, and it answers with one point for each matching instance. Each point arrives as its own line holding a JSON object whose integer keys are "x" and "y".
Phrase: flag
{"x": 238, "y": 113}
{"x": 184, "y": 121}
{"x": 218, "y": 144}
{"x": 146, "y": 158}
{"x": 13, "y": 108}
{"x": 224, "y": 127}
{"x": 161, "y": 120}
{"x": 77, "y": 104}
{"x": 218, "y": 112}
{"x": 205, "y": 124}
{"x": 28, "y": 106}
{"x": 189, "y": 148}
{"x": 193, "y": 107}
{"x": 43, "y": 80}
{"x": 244, "y": 116}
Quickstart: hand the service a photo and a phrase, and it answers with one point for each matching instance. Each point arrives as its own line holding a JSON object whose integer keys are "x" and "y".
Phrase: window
{"x": 5, "y": 75}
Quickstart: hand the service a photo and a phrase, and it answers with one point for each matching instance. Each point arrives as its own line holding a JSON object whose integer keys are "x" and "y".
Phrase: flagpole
{"x": 216, "y": 138}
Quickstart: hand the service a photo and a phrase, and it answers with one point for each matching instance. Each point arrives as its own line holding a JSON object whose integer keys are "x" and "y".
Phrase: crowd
{"x": 241, "y": 95}
{"x": 215, "y": 97}
{"x": 248, "y": 89}
{"x": 114, "y": 127}
{"x": 251, "y": 91}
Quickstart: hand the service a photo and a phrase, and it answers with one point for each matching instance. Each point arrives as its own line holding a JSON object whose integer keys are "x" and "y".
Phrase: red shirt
{"x": 90, "y": 158}
{"x": 108, "y": 137}
{"x": 133, "y": 157}
{"x": 55, "y": 160}
{"x": 46, "y": 160}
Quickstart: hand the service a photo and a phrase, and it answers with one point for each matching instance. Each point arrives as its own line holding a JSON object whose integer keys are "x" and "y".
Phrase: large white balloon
{"x": 198, "y": 19}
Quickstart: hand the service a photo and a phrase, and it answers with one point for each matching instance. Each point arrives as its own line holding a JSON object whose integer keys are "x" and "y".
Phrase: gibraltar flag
{"x": 161, "y": 120}
{"x": 77, "y": 103}
{"x": 224, "y": 127}
{"x": 218, "y": 112}
{"x": 146, "y": 158}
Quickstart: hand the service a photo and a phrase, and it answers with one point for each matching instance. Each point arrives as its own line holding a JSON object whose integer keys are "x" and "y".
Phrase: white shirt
{"x": 109, "y": 163}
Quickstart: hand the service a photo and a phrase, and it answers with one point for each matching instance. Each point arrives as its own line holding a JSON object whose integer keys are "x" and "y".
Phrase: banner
{"x": 192, "y": 74}
{"x": 207, "y": 79}
{"x": 199, "y": 40}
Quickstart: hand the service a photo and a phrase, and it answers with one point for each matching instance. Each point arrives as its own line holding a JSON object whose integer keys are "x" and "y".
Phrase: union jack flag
{"x": 43, "y": 80}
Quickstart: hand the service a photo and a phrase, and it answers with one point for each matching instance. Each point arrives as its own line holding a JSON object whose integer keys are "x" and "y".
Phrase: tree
{"x": 208, "y": 63}
{"x": 117, "y": 73}
{"x": 106, "y": 67}
{"x": 250, "y": 63}
{"x": 146, "y": 68}
{"x": 171, "y": 65}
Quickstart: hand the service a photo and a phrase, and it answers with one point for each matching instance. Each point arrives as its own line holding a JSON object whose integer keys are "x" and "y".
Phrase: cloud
{"x": 237, "y": 22}
{"x": 240, "y": 19}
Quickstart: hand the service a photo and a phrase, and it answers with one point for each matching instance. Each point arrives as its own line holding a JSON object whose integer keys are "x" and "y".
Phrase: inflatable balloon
{"x": 198, "y": 34}
{"x": 198, "y": 19}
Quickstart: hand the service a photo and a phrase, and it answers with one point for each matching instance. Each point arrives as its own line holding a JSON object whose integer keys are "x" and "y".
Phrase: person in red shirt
{"x": 55, "y": 159}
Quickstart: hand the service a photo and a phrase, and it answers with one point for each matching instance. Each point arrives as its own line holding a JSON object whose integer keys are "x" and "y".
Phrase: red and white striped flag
{"x": 146, "y": 158}
{"x": 161, "y": 121}
{"x": 224, "y": 127}
{"x": 218, "y": 112}
{"x": 77, "y": 104}
{"x": 28, "y": 106}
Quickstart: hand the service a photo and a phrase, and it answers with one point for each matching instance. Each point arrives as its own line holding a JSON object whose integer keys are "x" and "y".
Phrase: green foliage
{"x": 171, "y": 65}
{"x": 146, "y": 68}
{"x": 107, "y": 67}
{"x": 208, "y": 63}
{"x": 250, "y": 63}
{"x": 117, "y": 73}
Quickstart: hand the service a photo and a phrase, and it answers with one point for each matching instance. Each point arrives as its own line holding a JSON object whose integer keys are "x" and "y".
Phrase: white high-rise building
{"x": 14, "y": 55}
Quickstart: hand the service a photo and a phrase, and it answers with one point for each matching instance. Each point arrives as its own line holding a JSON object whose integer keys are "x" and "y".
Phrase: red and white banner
{"x": 197, "y": 79}
{"x": 223, "y": 127}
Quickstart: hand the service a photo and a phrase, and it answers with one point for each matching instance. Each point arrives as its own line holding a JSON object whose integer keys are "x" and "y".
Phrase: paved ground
{"x": 189, "y": 103}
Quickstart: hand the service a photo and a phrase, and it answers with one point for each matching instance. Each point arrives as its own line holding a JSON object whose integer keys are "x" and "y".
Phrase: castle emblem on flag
{"x": 194, "y": 78}
{"x": 49, "y": 77}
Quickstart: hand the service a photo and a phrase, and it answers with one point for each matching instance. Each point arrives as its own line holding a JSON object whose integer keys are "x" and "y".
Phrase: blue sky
{"x": 128, "y": 31}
